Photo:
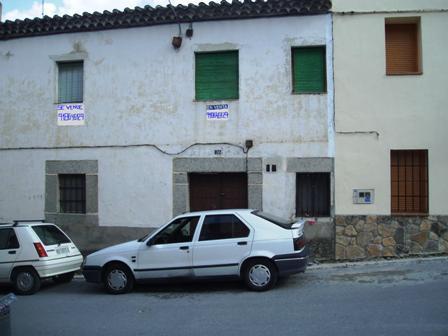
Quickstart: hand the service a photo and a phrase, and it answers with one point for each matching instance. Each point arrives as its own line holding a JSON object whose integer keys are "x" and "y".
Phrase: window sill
{"x": 309, "y": 93}
{"x": 409, "y": 214}
{"x": 404, "y": 74}
{"x": 214, "y": 100}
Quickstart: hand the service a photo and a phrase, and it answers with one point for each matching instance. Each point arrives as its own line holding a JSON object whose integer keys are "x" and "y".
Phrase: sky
{"x": 21, "y": 9}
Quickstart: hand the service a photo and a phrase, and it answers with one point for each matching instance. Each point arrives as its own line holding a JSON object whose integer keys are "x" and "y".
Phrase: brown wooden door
{"x": 211, "y": 191}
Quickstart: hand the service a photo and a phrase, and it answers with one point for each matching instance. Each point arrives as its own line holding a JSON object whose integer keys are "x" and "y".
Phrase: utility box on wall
{"x": 363, "y": 196}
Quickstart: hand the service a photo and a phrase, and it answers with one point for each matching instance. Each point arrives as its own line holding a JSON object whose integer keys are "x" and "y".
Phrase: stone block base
{"x": 362, "y": 237}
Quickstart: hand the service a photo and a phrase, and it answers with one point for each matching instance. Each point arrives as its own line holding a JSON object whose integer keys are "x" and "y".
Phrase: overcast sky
{"x": 20, "y": 9}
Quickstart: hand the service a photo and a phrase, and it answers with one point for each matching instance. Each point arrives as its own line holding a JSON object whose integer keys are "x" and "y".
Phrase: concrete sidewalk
{"x": 361, "y": 263}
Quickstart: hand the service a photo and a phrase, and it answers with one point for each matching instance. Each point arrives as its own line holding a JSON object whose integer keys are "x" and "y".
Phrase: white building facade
{"x": 109, "y": 130}
{"x": 390, "y": 106}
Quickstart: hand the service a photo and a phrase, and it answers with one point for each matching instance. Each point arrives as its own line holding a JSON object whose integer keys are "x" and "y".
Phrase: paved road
{"x": 408, "y": 297}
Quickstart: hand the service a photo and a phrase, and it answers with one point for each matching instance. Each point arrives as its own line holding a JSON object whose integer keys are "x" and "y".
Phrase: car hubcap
{"x": 25, "y": 281}
{"x": 259, "y": 275}
{"x": 117, "y": 279}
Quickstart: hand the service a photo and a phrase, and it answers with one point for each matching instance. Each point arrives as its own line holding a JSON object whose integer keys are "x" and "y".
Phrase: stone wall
{"x": 320, "y": 239}
{"x": 362, "y": 237}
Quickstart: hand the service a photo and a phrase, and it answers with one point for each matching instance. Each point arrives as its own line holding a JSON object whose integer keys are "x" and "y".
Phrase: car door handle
{"x": 242, "y": 243}
{"x": 184, "y": 247}
{"x": 12, "y": 252}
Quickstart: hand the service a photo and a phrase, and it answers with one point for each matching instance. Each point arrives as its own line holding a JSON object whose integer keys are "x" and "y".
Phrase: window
{"x": 217, "y": 75}
{"x": 286, "y": 224}
{"x": 409, "y": 181}
{"x": 223, "y": 227}
{"x": 72, "y": 193}
{"x": 402, "y": 46}
{"x": 180, "y": 230}
{"x": 313, "y": 195}
{"x": 70, "y": 82}
{"x": 50, "y": 235}
{"x": 8, "y": 239}
{"x": 308, "y": 70}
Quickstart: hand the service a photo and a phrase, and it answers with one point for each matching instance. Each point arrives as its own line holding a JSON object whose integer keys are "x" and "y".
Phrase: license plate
{"x": 62, "y": 250}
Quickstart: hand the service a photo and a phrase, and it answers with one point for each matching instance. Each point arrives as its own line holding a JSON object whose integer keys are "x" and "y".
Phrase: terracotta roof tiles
{"x": 149, "y": 16}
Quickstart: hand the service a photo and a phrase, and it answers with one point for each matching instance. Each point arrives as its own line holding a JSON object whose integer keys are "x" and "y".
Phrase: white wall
{"x": 139, "y": 90}
{"x": 408, "y": 112}
{"x": 387, "y": 5}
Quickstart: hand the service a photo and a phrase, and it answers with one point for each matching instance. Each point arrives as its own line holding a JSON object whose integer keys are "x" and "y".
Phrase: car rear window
{"x": 50, "y": 235}
{"x": 286, "y": 224}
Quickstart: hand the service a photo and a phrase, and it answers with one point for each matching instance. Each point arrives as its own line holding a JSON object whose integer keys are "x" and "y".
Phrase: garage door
{"x": 217, "y": 191}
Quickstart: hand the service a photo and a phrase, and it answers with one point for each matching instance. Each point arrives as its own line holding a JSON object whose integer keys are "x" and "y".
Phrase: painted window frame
{"x": 397, "y": 21}
{"x": 70, "y": 100}
{"x": 293, "y": 66}
{"x": 196, "y": 74}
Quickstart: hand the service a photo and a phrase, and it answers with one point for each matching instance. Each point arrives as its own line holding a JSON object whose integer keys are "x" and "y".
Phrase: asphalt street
{"x": 399, "y": 297}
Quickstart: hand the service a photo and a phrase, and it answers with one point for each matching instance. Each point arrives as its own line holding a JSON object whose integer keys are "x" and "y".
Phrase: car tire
{"x": 118, "y": 279}
{"x": 64, "y": 278}
{"x": 26, "y": 281}
{"x": 260, "y": 274}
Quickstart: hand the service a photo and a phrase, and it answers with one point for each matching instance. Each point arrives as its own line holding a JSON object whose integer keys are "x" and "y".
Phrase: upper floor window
{"x": 403, "y": 54}
{"x": 70, "y": 82}
{"x": 216, "y": 76}
{"x": 309, "y": 70}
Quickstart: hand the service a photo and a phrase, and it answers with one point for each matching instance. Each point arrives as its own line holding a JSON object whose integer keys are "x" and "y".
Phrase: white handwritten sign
{"x": 218, "y": 112}
{"x": 71, "y": 114}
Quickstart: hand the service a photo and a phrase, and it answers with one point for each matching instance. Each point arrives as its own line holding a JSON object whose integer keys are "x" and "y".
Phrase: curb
{"x": 383, "y": 262}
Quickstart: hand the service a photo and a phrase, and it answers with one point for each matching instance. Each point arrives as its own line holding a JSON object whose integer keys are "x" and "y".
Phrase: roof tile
{"x": 149, "y": 16}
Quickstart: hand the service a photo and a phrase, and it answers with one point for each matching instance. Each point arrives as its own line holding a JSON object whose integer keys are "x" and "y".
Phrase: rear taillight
{"x": 40, "y": 250}
{"x": 299, "y": 243}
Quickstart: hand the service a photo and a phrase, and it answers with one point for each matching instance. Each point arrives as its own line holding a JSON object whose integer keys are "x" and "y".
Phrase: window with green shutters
{"x": 216, "y": 75}
{"x": 70, "y": 82}
{"x": 308, "y": 66}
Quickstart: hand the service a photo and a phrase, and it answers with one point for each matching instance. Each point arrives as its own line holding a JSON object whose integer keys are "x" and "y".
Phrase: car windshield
{"x": 284, "y": 223}
{"x": 50, "y": 235}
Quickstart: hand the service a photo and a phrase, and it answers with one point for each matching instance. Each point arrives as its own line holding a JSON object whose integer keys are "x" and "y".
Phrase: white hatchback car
{"x": 31, "y": 251}
{"x": 251, "y": 245}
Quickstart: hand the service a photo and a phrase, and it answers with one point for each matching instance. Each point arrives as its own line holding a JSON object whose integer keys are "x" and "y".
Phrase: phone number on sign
{"x": 70, "y": 116}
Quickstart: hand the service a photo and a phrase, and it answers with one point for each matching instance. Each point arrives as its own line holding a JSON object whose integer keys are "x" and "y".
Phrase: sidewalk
{"x": 361, "y": 263}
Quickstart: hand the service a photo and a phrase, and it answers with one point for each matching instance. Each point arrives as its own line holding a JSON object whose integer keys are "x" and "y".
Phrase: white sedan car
{"x": 248, "y": 244}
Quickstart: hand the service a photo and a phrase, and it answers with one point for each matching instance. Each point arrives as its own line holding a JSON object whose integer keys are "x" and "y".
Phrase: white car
{"x": 31, "y": 251}
{"x": 251, "y": 245}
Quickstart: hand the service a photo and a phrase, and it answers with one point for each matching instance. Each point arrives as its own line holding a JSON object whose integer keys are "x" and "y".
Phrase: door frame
{"x": 182, "y": 166}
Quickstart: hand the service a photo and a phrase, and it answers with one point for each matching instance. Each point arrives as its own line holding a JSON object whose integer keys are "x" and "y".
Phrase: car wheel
{"x": 260, "y": 275}
{"x": 26, "y": 281}
{"x": 118, "y": 279}
{"x": 64, "y": 278}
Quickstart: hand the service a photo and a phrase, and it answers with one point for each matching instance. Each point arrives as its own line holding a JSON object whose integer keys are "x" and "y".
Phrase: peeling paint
{"x": 139, "y": 90}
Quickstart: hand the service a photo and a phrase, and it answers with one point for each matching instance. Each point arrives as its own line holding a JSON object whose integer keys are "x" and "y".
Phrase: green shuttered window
{"x": 70, "y": 82}
{"x": 217, "y": 75}
{"x": 309, "y": 70}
